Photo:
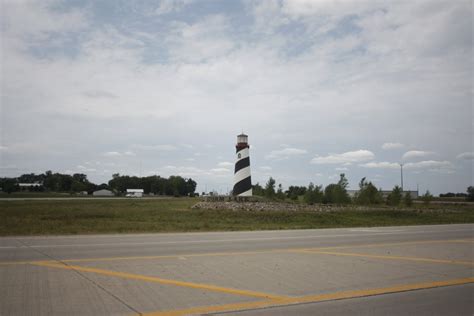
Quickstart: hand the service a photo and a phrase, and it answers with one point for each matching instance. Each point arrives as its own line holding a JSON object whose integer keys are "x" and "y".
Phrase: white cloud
{"x": 198, "y": 42}
{"x": 388, "y": 146}
{"x": 3, "y": 148}
{"x": 265, "y": 168}
{"x": 381, "y": 165}
{"x": 466, "y": 156}
{"x": 347, "y": 157}
{"x": 432, "y": 165}
{"x": 168, "y": 6}
{"x": 341, "y": 169}
{"x": 42, "y": 20}
{"x": 118, "y": 154}
{"x": 220, "y": 170}
{"x": 285, "y": 153}
{"x": 112, "y": 154}
{"x": 183, "y": 171}
{"x": 225, "y": 164}
{"x": 416, "y": 154}
{"x": 164, "y": 147}
{"x": 85, "y": 169}
{"x": 298, "y": 8}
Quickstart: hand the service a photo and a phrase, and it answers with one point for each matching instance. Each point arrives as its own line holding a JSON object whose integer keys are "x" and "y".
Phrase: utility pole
{"x": 401, "y": 174}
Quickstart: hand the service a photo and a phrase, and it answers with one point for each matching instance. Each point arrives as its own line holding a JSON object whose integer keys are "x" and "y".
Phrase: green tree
{"x": 78, "y": 186}
{"x": 395, "y": 197}
{"x": 343, "y": 183}
{"x": 294, "y": 191}
{"x": 427, "y": 197}
{"x": 270, "y": 188}
{"x": 279, "y": 194}
{"x": 9, "y": 185}
{"x": 407, "y": 199}
{"x": 314, "y": 194}
{"x": 368, "y": 193}
{"x": 337, "y": 193}
{"x": 470, "y": 194}
{"x": 174, "y": 185}
{"x": 258, "y": 190}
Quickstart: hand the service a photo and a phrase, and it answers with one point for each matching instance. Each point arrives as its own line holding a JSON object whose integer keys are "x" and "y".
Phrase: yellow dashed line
{"x": 312, "y": 298}
{"x": 469, "y": 263}
{"x": 163, "y": 281}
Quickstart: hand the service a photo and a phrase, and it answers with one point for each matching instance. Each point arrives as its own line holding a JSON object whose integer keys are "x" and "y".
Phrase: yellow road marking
{"x": 403, "y": 243}
{"x": 387, "y": 290}
{"x": 210, "y": 254}
{"x": 311, "y": 298}
{"x": 132, "y": 276}
{"x": 243, "y": 252}
{"x": 469, "y": 263}
{"x": 9, "y": 263}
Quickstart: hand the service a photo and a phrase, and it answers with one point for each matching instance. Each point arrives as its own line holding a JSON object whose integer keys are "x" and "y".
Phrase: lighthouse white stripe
{"x": 242, "y": 174}
{"x": 246, "y": 193}
{"x": 244, "y": 153}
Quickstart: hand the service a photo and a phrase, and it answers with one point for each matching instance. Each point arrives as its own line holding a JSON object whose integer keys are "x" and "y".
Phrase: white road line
{"x": 229, "y": 240}
{"x": 376, "y": 230}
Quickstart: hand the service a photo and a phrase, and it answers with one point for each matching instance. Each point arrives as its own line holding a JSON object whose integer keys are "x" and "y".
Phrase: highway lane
{"x": 90, "y": 246}
{"x": 225, "y": 271}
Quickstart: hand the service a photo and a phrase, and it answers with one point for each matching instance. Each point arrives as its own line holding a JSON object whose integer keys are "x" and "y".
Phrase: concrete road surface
{"x": 371, "y": 271}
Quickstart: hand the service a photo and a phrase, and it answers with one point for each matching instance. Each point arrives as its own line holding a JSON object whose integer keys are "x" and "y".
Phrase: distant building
{"x": 28, "y": 185}
{"x": 103, "y": 192}
{"x": 134, "y": 193}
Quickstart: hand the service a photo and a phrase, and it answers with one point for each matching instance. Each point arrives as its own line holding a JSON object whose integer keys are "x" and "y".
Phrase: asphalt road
{"x": 375, "y": 271}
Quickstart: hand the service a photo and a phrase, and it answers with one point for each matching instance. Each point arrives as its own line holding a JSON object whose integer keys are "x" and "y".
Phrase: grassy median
{"x": 51, "y": 217}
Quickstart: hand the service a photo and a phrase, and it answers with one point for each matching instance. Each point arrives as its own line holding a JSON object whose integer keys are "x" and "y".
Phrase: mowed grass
{"x": 175, "y": 215}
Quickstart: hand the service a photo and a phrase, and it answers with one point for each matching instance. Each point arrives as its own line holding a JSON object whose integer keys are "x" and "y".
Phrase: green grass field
{"x": 175, "y": 215}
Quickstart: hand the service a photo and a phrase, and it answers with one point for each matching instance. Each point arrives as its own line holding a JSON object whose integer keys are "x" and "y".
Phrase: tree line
{"x": 174, "y": 185}
{"x": 336, "y": 193}
{"x": 78, "y": 182}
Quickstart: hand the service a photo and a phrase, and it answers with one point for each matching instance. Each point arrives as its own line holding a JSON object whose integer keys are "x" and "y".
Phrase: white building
{"x": 134, "y": 193}
{"x": 103, "y": 192}
{"x": 29, "y": 185}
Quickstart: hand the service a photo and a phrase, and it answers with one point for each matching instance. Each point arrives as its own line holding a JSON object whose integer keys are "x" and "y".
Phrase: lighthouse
{"x": 242, "y": 180}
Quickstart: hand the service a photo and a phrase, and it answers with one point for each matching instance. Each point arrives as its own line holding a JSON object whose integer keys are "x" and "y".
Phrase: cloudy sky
{"x": 163, "y": 87}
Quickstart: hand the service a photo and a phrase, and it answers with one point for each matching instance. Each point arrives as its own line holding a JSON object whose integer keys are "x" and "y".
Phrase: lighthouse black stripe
{"x": 241, "y": 164}
{"x": 237, "y": 149}
{"x": 242, "y": 186}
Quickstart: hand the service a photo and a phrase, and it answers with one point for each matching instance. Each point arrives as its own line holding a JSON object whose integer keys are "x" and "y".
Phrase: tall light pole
{"x": 401, "y": 174}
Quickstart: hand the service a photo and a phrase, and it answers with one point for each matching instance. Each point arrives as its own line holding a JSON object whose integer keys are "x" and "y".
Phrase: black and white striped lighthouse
{"x": 242, "y": 180}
